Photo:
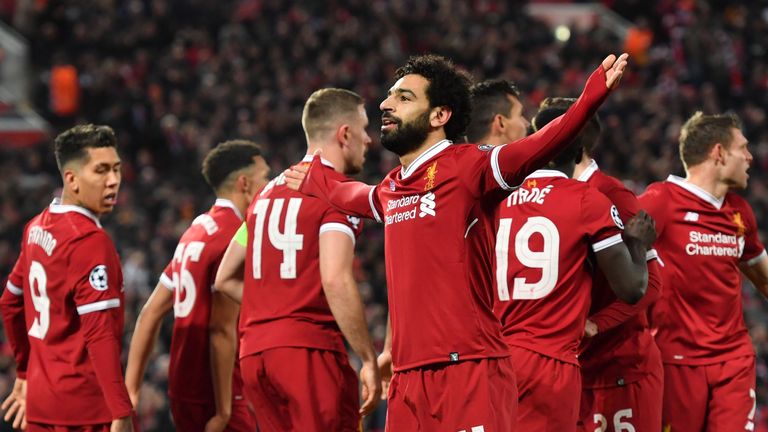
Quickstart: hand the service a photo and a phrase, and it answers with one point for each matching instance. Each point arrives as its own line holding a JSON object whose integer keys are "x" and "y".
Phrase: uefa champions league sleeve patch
{"x": 616, "y": 218}
{"x": 98, "y": 278}
{"x": 485, "y": 147}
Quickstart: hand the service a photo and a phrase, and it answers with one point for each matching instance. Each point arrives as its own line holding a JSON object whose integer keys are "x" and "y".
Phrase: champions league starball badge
{"x": 98, "y": 278}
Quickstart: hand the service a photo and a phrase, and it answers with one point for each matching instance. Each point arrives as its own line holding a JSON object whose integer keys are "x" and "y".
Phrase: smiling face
{"x": 93, "y": 181}
{"x": 405, "y": 121}
{"x": 736, "y": 160}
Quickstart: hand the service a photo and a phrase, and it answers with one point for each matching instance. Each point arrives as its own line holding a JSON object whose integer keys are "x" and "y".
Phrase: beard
{"x": 406, "y": 137}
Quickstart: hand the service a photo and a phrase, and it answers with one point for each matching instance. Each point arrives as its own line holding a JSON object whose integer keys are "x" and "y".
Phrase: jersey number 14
{"x": 288, "y": 241}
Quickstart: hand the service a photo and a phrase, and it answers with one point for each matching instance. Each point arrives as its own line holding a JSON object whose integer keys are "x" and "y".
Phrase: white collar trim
{"x": 59, "y": 208}
{"x": 699, "y": 192}
{"x": 223, "y": 202}
{"x": 324, "y": 161}
{"x": 587, "y": 173}
{"x": 542, "y": 173}
{"x": 424, "y": 157}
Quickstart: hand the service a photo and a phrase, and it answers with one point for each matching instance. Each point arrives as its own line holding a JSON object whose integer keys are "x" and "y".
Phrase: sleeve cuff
{"x": 98, "y": 306}
{"x": 606, "y": 243}
{"x": 750, "y": 263}
{"x": 13, "y": 289}
{"x": 166, "y": 282}
{"x": 336, "y": 226}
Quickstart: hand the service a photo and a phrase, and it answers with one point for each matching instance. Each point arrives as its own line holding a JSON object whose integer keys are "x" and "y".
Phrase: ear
{"x": 71, "y": 181}
{"x": 342, "y": 135}
{"x": 497, "y": 124}
{"x": 717, "y": 153}
{"x": 439, "y": 116}
{"x": 242, "y": 183}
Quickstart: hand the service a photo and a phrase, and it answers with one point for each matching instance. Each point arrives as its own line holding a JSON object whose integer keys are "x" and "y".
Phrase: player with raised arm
{"x": 63, "y": 303}
{"x": 549, "y": 230}
{"x": 454, "y": 372}
{"x": 299, "y": 295}
{"x": 205, "y": 390}
{"x": 707, "y": 236}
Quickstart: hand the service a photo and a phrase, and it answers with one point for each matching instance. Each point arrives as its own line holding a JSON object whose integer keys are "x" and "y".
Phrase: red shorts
{"x": 471, "y": 396}
{"x": 302, "y": 389}
{"x": 614, "y": 409}
{"x": 192, "y": 417}
{"x": 716, "y": 397}
{"x": 41, "y": 427}
{"x": 547, "y": 390}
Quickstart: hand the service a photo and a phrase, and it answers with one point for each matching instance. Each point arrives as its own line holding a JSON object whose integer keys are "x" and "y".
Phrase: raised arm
{"x": 619, "y": 312}
{"x": 512, "y": 162}
{"x": 349, "y": 197}
{"x": 145, "y": 333}
{"x": 229, "y": 277}
{"x": 624, "y": 264}
{"x": 336, "y": 256}
{"x": 223, "y": 351}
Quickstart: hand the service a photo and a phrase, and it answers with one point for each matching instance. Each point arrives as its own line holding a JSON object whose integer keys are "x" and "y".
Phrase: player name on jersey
{"x": 42, "y": 238}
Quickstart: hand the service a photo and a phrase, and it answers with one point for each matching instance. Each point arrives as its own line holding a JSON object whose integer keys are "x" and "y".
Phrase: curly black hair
{"x": 448, "y": 87}
{"x": 570, "y": 154}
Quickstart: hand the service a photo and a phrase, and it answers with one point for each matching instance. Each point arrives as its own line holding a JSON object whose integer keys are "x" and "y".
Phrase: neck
{"x": 433, "y": 138}
{"x": 330, "y": 153}
{"x": 240, "y": 200}
{"x": 69, "y": 199}
{"x": 704, "y": 177}
{"x": 581, "y": 166}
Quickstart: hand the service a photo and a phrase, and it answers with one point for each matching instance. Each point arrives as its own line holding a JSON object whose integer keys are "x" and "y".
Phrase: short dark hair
{"x": 323, "y": 106}
{"x": 572, "y": 153}
{"x": 489, "y": 98}
{"x": 701, "y": 132}
{"x": 448, "y": 86}
{"x": 227, "y": 158}
{"x": 72, "y": 144}
{"x": 590, "y": 135}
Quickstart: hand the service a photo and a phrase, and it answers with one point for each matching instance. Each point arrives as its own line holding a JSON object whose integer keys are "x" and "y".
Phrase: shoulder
{"x": 737, "y": 200}
{"x": 656, "y": 190}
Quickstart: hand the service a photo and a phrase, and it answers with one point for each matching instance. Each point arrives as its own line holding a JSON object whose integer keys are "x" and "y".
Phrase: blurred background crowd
{"x": 176, "y": 77}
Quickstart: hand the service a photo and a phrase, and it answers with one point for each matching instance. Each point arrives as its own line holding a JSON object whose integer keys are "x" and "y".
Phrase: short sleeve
{"x": 333, "y": 220}
{"x": 600, "y": 220}
{"x": 94, "y": 273}
{"x": 241, "y": 236}
{"x": 624, "y": 200}
{"x": 166, "y": 277}
{"x": 754, "y": 250}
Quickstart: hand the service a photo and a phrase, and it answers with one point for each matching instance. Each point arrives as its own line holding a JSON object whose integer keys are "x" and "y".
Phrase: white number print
{"x": 38, "y": 281}
{"x": 288, "y": 241}
{"x": 619, "y": 423}
{"x": 183, "y": 282}
{"x": 547, "y": 259}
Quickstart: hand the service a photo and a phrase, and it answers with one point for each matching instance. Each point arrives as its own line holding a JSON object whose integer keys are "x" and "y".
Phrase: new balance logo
{"x": 427, "y": 205}
{"x": 480, "y": 428}
{"x": 691, "y": 217}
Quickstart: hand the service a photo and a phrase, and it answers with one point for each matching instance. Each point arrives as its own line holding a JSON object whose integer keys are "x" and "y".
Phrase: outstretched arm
{"x": 336, "y": 256}
{"x": 512, "y": 162}
{"x": 349, "y": 197}
{"x": 144, "y": 337}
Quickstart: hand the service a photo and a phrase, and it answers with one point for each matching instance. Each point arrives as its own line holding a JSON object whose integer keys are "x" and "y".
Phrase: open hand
{"x": 15, "y": 405}
{"x": 614, "y": 69}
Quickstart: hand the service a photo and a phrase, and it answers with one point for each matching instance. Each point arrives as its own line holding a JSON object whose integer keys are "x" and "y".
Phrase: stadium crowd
{"x": 174, "y": 78}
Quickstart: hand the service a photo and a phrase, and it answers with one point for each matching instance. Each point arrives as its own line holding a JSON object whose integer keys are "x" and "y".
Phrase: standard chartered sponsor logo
{"x": 719, "y": 244}
{"x": 410, "y": 207}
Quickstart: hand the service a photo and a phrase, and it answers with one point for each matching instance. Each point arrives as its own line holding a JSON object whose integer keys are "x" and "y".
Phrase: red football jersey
{"x": 68, "y": 267}
{"x": 701, "y": 240}
{"x": 437, "y": 269}
{"x": 547, "y": 228}
{"x": 190, "y": 276}
{"x": 283, "y": 302}
{"x": 626, "y": 352}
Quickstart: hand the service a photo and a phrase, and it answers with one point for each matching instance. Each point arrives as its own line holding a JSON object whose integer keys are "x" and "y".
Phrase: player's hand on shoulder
{"x": 15, "y": 405}
{"x": 614, "y": 69}
{"x": 295, "y": 175}
{"x": 641, "y": 228}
